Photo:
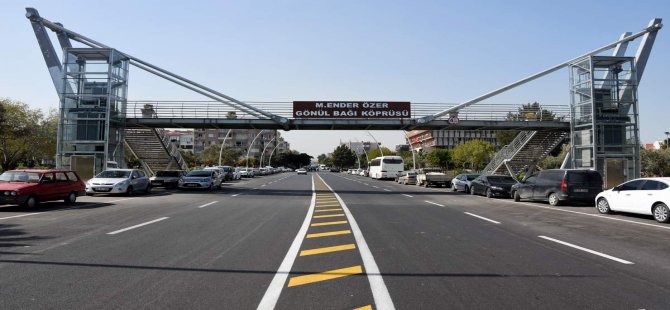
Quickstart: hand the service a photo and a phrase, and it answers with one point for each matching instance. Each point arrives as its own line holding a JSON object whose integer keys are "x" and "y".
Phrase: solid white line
{"x": 375, "y": 186}
{"x": 594, "y": 215}
{"x": 366, "y": 184}
{"x": 380, "y": 293}
{"x": 271, "y": 296}
{"x": 136, "y": 226}
{"x": 386, "y": 189}
{"x": 234, "y": 195}
{"x": 117, "y": 200}
{"x": 255, "y": 187}
{"x": 15, "y": 216}
{"x": 587, "y": 250}
{"x": 410, "y": 196}
{"x": 207, "y": 204}
{"x": 263, "y": 185}
{"x": 483, "y": 218}
{"x": 433, "y": 203}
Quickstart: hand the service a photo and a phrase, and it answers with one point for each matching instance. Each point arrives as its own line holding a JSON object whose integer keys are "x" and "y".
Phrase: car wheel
{"x": 603, "y": 206}
{"x": 129, "y": 191}
{"x": 553, "y": 199}
{"x": 516, "y": 196}
{"x": 71, "y": 198}
{"x": 453, "y": 188}
{"x": 31, "y": 202}
{"x": 148, "y": 190}
{"x": 488, "y": 193}
{"x": 661, "y": 213}
{"x": 472, "y": 191}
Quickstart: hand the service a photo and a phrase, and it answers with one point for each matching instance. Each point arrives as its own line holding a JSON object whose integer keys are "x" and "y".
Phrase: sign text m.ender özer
{"x": 351, "y": 109}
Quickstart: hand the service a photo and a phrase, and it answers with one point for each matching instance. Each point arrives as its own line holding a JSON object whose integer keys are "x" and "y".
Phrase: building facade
{"x": 361, "y": 147}
{"x": 426, "y": 140}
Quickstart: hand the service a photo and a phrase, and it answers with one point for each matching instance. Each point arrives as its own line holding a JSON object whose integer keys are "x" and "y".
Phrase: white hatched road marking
{"x": 136, "y": 226}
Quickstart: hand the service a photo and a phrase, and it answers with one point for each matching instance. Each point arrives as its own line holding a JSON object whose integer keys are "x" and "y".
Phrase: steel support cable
{"x": 136, "y": 62}
{"x": 650, "y": 29}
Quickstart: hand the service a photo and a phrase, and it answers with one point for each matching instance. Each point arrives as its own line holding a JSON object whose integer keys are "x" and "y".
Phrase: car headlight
{"x": 181, "y": 181}
{"x": 496, "y": 188}
{"x": 14, "y": 193}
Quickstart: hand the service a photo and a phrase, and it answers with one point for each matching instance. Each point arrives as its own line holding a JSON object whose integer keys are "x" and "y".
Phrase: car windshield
{"x": 167, "y": 174}
{"x": 114, "y": 174}
{"x": 199, "y": 173}
{"x": 501, "y": 179}
{"x": 20, "y": 176}
{"x": 471, "y": 177}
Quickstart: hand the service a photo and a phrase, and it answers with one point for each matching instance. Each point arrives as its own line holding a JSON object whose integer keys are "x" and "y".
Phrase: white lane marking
{"x": 234, "y": 195}
{"x": 375, "y": 186}
{"x": 136, "y": 226}
{"x": 271, "y": 296}
{"x": 588, "y": 250}
{"x": 433, "y": 203}
{"x": 207, "y": 204}
{"x": 366, "y": 184}
{"x": 262, "y": 185}
{"x": 410, "y": 196}
{"x": 594, "y": 215}
{"x": 15, "y": 216}
{"x": 386, "y": 189}
{"x": 117, "y": 200}
{"x": 481, "y": 217}
{"x": 255, "y": 187}
{"x": 380, "y": 293}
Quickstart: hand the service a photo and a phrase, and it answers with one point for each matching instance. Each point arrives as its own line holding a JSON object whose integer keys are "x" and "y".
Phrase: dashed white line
{"x": 234, "y": 195}
{"x": 623, "y": 261}
{"x": 386, "y": 189}
{"x": 136, "y": 226}
{"x": 366, "y": 184}
{"x": 481, "y": 217}
{"x": 375, "y": 186}
{"x": 434, "y": 203}
{"x": 15, "y": 216}
{"x": 410, "y": 196}
{"x": 117, "y": 200}
{"x": 207, "y": 204}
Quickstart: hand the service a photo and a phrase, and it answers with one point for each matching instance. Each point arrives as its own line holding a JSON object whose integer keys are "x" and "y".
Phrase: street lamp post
{"x": 378, "y": 144}
{"x": 412, "y": 149}
{"x": 222, "y": 144}
{"x": 273, "y": 151}
{"x": 266, "y": 146}
{"x": 364, "y": 152}
{"x": 249, "y": 147}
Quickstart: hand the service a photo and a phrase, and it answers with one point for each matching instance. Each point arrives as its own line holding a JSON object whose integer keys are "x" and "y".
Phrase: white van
{"x": 386, "y": 167}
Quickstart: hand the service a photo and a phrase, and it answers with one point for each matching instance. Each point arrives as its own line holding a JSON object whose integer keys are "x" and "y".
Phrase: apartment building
{"x": 426, "y": 140}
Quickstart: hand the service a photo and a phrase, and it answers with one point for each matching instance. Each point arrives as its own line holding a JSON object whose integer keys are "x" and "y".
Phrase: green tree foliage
{"x": 376, "y": 152}
{"x": 439, "y": 158}
{"x": 506, "y": 137}
{"x": 474, "y": 153}
{"x": 343, "y": 157}
{"x": 321, "y": 158}
{"x": 229, "y": 157}
{"x": 243, "y": 162}
{"x": 655, "y": 162}
{"x": 26, "y": 135}
{"x": 190, "y": 158}
{"x": 531, "y": 112}
{"x": 555, "y": 162}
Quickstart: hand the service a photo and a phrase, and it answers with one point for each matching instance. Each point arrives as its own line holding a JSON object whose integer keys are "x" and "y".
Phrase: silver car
{"x": 200, "y": 179}
{"x": 118, "y": 181}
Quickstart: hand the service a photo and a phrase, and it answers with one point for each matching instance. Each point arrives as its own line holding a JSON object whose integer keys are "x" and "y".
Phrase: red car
{"x": 30, "y": 187}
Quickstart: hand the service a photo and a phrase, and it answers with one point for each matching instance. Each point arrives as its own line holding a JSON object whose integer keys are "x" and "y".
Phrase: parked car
{"x": 301, "y": 171}
{"x": 462, "y": 182}
{"x": 399, "y": 174}
{"x": 409, "y": 177}
{"x": 648, "y": 196}
{"x": 237, "y": 173}
{"x": 228, "y": 173}
{"x": 200, "y": 179}
{"x": 333, "y": 169}
{"x": 560, "y": 185}
{"x": 28, "y": 188}
{"x": 246, "y": 173}
{"x": 167, "y": 178}
{"x": 433, "y": 177}
{"x": 492, "y": 185}
{"x": 220, "y": 174}
{"x": 119, "y": 181}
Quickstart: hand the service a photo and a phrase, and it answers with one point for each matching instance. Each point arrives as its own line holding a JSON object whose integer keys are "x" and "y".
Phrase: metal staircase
{"x": 153, "y": 149}
{"x": 526, "y": 150}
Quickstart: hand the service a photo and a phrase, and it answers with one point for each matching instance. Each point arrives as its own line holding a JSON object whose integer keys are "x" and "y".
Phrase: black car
{"x": 333, "y": 169}
{"x": 560, "y": 185}
{"x": 167, "y": 178}
{"x": 492, "y": 185}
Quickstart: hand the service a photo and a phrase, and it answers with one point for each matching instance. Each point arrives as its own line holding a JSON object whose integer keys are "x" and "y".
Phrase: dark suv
{"x": 560, "y": 185}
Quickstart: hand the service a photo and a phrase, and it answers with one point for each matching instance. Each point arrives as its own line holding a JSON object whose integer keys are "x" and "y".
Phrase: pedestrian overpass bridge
{"x": 98, "y": 124}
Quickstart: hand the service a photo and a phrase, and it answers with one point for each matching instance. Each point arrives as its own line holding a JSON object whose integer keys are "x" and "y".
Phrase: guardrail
{"x": 218, "y": 110}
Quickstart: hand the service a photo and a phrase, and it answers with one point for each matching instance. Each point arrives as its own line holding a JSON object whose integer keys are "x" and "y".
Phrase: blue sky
{"x": 418, "y": 51}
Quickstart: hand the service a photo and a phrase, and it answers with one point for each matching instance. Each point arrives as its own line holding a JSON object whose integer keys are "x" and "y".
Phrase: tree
{"x": 243, "y": 162}
{"x": 655, "y": 162}
{"x": 439, "y": 158}
{"x": 20, "y": 134}
{"x": 475, "y": 153}
{"x": 343, "y": 157}
{"x": 555, "y": 162}
{"x": 531, "y": 112}
{"x": 377, "y": 153}
{"x": 190, "y": 158}
{"x": 505, "y": 137}
{"x": 321, "y": 158}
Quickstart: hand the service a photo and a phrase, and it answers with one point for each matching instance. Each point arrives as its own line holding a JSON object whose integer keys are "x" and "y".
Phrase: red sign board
{"x": 351, "y": 109}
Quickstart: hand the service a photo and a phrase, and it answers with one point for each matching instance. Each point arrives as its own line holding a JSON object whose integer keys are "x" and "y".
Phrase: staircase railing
{"x": 145, "y": 166}
{"x": 508, "y": 151}
{"x": 171, "y": 149}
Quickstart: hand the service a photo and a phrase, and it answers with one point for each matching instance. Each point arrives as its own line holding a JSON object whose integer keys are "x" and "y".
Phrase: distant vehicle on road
{"x": 560, "y": 185}
{"x": 462, "y": 182}
{"x": 492, "y": 185}
{"x": 301, "y": 171}
{"x": 334, "y": 169}
{"x": 167, "y": 178}
{"x": 648, "y": 196}
{"x": 408, "y": 177}
{"x": 433, "y": 177}
{"x": 386, "y": 167}
{"x": 119, "y": 181}
{"x": 28, "y": 188}
{"x": 207, "y": 179}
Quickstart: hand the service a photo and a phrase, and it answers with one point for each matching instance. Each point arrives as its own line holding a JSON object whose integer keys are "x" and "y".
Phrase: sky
{"x": 419, "y": 51}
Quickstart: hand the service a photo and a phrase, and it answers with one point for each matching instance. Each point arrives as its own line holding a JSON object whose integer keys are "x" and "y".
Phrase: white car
{"x": 649, "y": 196}
{"x": 118, "y": 181}
{"x": 301, "y": 171}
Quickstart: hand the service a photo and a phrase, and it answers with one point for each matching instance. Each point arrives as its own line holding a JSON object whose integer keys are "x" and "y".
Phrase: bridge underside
{"x": 343, "y": 124}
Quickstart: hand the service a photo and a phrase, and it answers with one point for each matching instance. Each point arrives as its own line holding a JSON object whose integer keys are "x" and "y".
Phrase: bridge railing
{"x": 217, "y": 110}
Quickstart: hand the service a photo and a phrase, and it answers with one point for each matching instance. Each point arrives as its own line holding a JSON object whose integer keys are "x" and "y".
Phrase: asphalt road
{"x": 328, "y": 241}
